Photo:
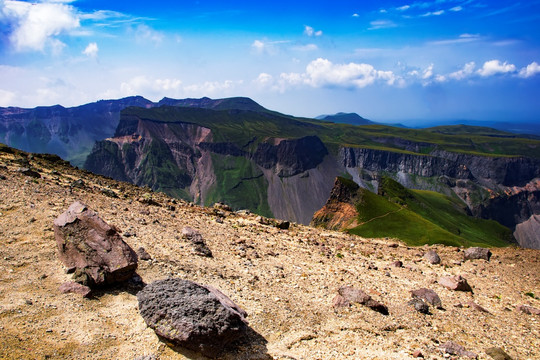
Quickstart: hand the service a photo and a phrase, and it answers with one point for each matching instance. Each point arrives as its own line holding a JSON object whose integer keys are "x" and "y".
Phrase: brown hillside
{"x": 286, "y": 280}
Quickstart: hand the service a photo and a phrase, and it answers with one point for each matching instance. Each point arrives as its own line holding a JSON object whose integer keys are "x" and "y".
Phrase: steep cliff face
{"x": 284, "y": 178}
{"x": 505, "y": 189}
{"x": 67, "y": 132}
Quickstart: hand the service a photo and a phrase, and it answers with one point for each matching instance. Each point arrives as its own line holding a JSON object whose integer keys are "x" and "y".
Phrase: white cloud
{"x": 463, "y": 38}
{"x": 7, "y": 98}
{"x": 494, "y": 67}
{"x": 404, "y": 7}
{"x": 91, "y": 50}
{"x": 467, "y": 71}
{"x": 258, "y": 45}
{"x": 428, "y": 72}
{"x": 456, "y": 8}
{"x": 531, "y": 70}
{"x": 355, "y": 15}
{"x": 433, "y": 13}
{"x": 143, "y": 85}
{"x": 211, "y": 88}
{"x": 323, "y": 73}
{"x": 37, "y": 25}
{"x": 144, "y": 33}
{"x": 381, "y": 24}
{"x": 307, "y": 47}
{"x": 309, "y": 31}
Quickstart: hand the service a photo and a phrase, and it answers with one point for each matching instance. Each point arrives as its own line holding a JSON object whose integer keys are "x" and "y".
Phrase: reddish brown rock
{"x": 477, "y": 253}
{"x": 456, "y": 282}
{"x": 73, "y": 287}
{"x": 93, "y": 248}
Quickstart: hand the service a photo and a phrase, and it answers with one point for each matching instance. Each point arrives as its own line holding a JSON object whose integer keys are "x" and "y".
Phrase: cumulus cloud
{"x": 531, "y": 70}
{"x": 404, "y": 7}
{"x": 309, "y": 31}
{"x": 323, "y": 73}
{"x": 35, "y": 26}
{"x": 494, "y": 67}
{"x": 91, "y": 50}
{"x": 211, "y": 88}
{"x": 267, "y": 47}
{"x": 7, "y": 98}
{"x": 456, "y": 8}
{"x": 467, "y": 71}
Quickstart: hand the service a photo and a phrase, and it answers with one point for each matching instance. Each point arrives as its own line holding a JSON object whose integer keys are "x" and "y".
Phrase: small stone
{"x": 419, "y": 305}
{"x": 456, "y": 283}
{"x": 28, "y": 302}
{"x": 477, "y": 307}
{"x": 29, "y": 172}
{"x": 397, "y": 264}
{"x": 428, "y": 296}
{"x": 432, "y": 257}
{"x": 474, "y": 253}
{"x": 78, "y": 184}
{"x": 528, "y": 310}
{"x": 76, "y": 288}
{"x": 142, "y": 254}
{"x": 109, "y": 193}
{"x": 452, "y": 348}
{"x": 348, "y": 294}
{"x": 498, "y": 353}
{"x": 417, "y": 354}
{"x": 199, "y": 245}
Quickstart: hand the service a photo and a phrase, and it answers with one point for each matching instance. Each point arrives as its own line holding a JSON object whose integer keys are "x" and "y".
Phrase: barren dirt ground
{"x": 284, "y": 279}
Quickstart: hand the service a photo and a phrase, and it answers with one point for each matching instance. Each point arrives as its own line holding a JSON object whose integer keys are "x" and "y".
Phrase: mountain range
{"x": 236, "y": 151}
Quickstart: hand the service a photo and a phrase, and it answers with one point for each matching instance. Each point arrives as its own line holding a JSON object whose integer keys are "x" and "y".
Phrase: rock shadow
{"x": 252, "y": 346}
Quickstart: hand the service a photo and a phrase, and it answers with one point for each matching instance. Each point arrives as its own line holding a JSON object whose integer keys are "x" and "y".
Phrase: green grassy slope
{"x": 423, "y": 217}
{"x": 239, "y": 181}
{"x": 242, "y": 127}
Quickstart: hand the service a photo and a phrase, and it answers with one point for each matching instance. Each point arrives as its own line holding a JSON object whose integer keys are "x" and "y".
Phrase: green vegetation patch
{"x": 423, "y": 217}
{"x": 240, "y": 184}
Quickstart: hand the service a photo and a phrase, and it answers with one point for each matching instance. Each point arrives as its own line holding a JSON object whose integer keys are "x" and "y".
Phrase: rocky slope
{"x": 286, "y": 280}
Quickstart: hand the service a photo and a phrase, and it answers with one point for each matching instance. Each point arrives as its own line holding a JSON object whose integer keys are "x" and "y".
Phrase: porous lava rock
{"x": 91, "y": 248}
{"x": 475, "y": 253}
{"x": 193, "y": 316}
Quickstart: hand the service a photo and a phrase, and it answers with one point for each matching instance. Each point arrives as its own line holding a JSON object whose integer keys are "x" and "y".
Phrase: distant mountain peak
{"x": 233, "y": 103}
{"x": 346, "y": 118}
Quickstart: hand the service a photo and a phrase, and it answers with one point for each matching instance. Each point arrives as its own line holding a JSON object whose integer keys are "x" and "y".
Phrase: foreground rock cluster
{"x": 286, "y": 279}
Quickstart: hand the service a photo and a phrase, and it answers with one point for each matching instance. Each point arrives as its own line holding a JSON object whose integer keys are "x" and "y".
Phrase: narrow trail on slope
{"x": 381, "y": 216}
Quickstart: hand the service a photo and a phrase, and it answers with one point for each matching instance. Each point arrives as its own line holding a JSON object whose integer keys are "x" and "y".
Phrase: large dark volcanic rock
{"x": 92, "y": 248}
{"x": 197, "y": 317}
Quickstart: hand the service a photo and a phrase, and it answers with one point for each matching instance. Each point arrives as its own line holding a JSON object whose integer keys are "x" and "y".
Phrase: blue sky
{"x": 385, "y": 60}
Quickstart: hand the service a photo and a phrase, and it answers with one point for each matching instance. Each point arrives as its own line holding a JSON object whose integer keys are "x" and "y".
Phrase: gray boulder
{"x": 91, "y": 248}
{"x": 193, "y": 316}
{"x": 199, "y": 245}
{"x": 477, "y": 253}
{"x": 452, "y": 348}
{"x": 428, "y": 296}
{"x": 432, "y": 257}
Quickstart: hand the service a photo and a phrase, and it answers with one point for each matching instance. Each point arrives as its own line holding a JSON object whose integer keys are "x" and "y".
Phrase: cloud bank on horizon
{"x": 387, "y": 60}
